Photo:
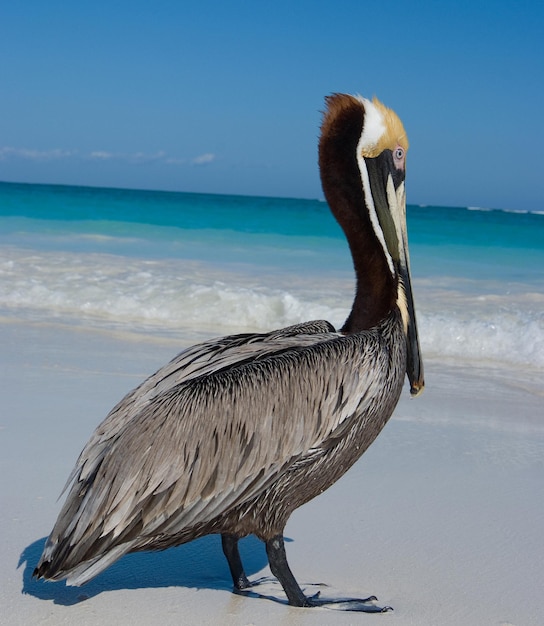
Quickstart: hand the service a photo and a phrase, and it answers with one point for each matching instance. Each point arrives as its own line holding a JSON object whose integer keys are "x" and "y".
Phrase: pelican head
{"x": 362, "y": 156}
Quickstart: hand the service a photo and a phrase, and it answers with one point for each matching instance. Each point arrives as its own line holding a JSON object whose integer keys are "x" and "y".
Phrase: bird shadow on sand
{"x": 198, "y": 564}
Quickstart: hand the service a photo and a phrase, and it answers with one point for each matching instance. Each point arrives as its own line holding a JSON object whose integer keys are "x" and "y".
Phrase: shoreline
{"x": 441, "y": 518}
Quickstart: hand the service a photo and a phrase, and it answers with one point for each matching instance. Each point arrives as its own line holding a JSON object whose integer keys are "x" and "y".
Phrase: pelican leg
{"x": 232, "y": 554}
{"x": 275, "y": 548}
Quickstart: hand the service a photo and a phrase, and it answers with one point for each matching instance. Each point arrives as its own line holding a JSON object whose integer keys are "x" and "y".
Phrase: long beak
{"x": 390, "y": 206}
{"x": 414, "y": 362}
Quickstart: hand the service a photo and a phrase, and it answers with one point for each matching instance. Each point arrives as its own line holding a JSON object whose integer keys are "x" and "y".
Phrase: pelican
{"x": 234, "y": 434}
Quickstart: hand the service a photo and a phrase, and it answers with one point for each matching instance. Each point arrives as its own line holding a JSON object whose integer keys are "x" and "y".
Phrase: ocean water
{"x": 195, "y": 265}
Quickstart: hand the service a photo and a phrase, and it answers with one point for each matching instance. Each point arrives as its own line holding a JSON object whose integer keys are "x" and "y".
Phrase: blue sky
{"x": 225, "y": 97}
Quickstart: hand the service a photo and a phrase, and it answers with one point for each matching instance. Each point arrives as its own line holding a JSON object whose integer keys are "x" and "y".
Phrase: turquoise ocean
{"x": 190, "y": 266}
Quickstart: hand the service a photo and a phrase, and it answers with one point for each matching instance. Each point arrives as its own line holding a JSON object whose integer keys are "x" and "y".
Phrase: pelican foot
{"x": 358, "y": 605}
{"x": 277, "y": 559}
{"x": 267, "y": 588}
{"x": 244, "y": 585}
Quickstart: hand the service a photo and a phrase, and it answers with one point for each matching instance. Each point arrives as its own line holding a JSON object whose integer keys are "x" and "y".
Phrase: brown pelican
{"x": 234, "y": 434}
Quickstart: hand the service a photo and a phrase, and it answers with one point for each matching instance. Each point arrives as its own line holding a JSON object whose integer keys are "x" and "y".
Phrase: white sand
{"x": 442, "y": 518}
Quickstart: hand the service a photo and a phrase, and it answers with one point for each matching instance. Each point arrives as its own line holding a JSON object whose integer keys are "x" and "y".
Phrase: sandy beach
{"x": 441, "y": 519}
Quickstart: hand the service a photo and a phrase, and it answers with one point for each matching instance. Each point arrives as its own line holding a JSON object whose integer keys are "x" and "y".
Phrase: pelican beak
{"x": 414, "y": 363}
{"x": 388, "y": 193}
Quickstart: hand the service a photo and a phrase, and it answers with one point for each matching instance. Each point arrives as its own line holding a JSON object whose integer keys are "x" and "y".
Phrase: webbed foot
{"x": 359, "y": 605}
{"x": 278, "y": 564}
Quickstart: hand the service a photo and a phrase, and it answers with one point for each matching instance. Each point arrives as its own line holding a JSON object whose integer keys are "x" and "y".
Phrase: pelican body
{"x": 234, "y": 434}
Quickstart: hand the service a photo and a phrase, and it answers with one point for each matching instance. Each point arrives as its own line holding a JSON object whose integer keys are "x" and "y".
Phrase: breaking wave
{"x": 170, "y": 296}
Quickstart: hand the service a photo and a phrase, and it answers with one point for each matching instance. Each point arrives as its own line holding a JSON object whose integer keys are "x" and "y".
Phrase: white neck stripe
{"x": 369, "y": 200}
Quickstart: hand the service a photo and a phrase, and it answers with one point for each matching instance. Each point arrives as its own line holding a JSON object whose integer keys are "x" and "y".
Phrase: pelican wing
{"x": 205, "y": 358}
{"x": 206, "y": 434}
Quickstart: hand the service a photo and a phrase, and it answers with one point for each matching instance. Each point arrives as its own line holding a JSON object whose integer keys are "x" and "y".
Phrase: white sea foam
{"x": 468, "y": 321}
{"x": 506, "y": 337}
{"x": 164, "y": 295}
{"x": 489, "y": 210}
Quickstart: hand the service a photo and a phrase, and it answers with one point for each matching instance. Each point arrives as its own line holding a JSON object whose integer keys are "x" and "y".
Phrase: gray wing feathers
{"x": 197, "y": 445}
{"x": 199, "y": 360}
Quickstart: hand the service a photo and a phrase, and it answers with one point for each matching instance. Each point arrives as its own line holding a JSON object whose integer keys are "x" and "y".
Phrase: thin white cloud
{"x": 131, "y": 157}
{"x": 161, "y": 156}
{"x": 101, "y": 155}
{"x": 204, "y": 159}
{"x": 142, "y": 157}
{"x": 8, "y": 152}
{"x": 175, "y": 161}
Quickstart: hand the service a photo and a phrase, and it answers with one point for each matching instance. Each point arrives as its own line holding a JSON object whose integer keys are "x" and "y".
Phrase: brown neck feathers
{"x": 376, "y": 291}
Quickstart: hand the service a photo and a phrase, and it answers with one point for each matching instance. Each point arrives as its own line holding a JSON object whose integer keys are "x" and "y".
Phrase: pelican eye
{"x": 398, "y": 157}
